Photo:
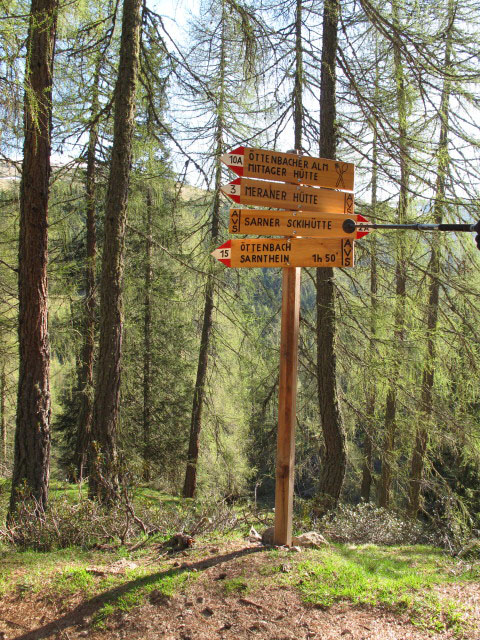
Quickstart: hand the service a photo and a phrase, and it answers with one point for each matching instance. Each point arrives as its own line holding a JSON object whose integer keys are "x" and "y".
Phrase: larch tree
{"x": 190, "y": 483}
{"x": 231, "y": 49}
{"x": 334, "y": 458}
{"x": 103, "y": 479}
{"x": 154, "y": 422}
{"x": 371, "y": 395}
{"x": 417, "y": 465}
{"x": 83, "y": 101}
{"x": 86, "y": 383}
{"x": 400, "y": 270}
{"x": 32, "y": 436}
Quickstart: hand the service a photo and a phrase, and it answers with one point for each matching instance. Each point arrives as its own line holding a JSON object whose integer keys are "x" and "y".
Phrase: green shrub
{"x": 365, "y": 523}
{"x": 86, "y": 523}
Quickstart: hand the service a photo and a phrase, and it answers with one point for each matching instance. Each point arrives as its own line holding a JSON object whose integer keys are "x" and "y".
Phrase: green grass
{"x": 72, "y": 580}
{"x": 399, "y": 578}
{"x": 141, "y": 494}
{"x": 30, "y": 568}
{"x": 166, "y": 584}
{"x": 236, "y": 585}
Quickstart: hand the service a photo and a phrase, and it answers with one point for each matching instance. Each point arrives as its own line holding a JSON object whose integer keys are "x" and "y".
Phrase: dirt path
{"x": 205, "y": 610}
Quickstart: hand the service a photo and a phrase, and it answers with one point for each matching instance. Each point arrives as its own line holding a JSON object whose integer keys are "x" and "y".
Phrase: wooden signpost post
{"x": 317, "y": 236}
{"x": 287, "y": 405}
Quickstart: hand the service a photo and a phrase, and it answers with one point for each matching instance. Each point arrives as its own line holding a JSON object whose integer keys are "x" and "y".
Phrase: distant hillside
{"x": 8, "y": 175}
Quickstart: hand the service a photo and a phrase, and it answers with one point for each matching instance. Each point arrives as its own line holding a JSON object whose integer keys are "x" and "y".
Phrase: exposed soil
{"x": 206, "y": 611}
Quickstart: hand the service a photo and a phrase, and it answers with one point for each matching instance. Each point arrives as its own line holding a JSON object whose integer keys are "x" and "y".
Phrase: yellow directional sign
{"x": 290, "y": 167}
{"x": 286, "y": 252}
{"x": 289, "y": 196}
{"x": 294, "y": 223}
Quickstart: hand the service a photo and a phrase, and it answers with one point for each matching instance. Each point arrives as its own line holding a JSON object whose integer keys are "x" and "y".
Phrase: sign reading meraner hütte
{"x": 289, "y": 196}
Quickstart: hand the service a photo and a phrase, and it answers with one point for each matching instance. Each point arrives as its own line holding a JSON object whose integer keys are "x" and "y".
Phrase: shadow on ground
{"x": 88, "y": 608}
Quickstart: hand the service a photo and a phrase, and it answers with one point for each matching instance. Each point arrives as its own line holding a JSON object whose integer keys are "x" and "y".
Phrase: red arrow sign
{"x": 223, "y": 253}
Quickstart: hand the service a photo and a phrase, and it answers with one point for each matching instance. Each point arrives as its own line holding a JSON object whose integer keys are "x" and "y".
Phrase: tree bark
{"x": 190, "y": 484}
{"x": 3, "y": 403}
{"x": 86, "y": 386}
{"x": 334, "y": 459}
{"x": 147, "y": 338}
{"x": 32, "y": 436}
{"x": 103, "y": 480}
{"x": 428, "y": 377}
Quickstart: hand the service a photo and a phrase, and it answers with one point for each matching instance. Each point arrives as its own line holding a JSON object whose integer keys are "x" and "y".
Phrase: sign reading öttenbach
{"x": 289, "y": 252}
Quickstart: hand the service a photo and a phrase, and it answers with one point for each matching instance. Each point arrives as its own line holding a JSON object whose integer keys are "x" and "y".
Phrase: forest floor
{"x": 228, "y": 587}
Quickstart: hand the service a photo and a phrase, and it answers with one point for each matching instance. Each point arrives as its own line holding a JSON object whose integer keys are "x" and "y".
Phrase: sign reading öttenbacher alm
{"x": 290, "y": 167}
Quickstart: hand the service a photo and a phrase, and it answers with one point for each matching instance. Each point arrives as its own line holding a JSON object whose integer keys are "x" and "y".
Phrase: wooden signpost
{"x": 294, "y": 223}
{"x": 322, "y": 241}
{"x": 290, "y": 167}
{"x": 287, "y": 403}
{"x": 289, "y": 196}
{"x": 286, "y": 252}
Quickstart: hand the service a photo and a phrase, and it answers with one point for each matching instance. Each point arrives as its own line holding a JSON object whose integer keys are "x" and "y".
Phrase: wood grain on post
{"x": 287, "y": 406}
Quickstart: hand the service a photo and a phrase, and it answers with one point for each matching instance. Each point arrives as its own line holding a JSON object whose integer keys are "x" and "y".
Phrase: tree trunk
{"x": 103, "y": 480}
{"x": 190, "y": 483}
{"x": 335, "y": 459}
{"x": 367, "y": 476}
{"x": 428, "y": 376}
{"x": 147, "y": 338}
{"x": 298, "y": 87}
{"x": 86, "y": 387}
{"x": 3, "y": 403}
{"x": 388, "y": 458}
{"x": 32, "y": 436}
